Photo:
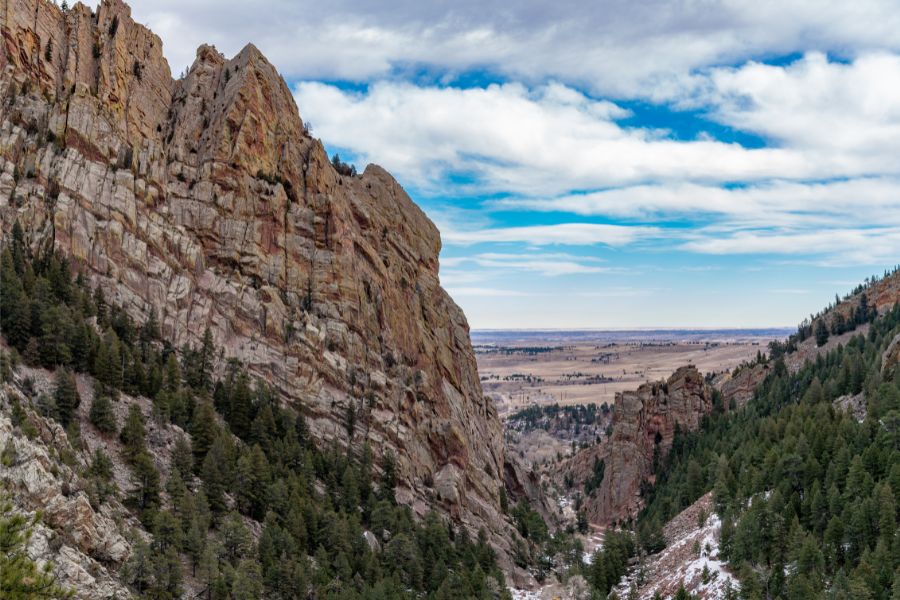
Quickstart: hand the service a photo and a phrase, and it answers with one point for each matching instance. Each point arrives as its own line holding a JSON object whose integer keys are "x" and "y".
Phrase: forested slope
{"x": 243, "y": 504}
{"x": 806, "y": 492}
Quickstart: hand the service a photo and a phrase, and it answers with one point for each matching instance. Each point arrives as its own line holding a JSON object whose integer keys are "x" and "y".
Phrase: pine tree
{"x": 102, "y": 415}
{"x": 235, "y": 538}
{"x": 252, "y": 483}
{"x": 172, "y": 374}
{"x": 388, "y": 477}
{"x": 204, "y": 430}
{"x": 651, "y": 536}
{"x": 138, "y": 569}
{"x": 821, "y": 332}
{"x": 182, "y": 456}
{"x": 20, "y": 577}
{"x": 216, "y": 473}
{"x": 66, "y": 396}
{"x": 108, "y": 364}
{"x": 15, "y": 316}
{"x": 100, "y": 478}
{"x": 145, "y": 477}
{"x": 133, "y": 432}
{"x": 207, "y": 353}
{"x": 248, "y": 580}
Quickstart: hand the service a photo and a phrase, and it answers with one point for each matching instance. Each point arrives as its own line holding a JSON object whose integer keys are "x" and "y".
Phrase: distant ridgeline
{"x": 243, "y": 459}
{"x": 807, "y": 493}
{"x": 841, "y": 316}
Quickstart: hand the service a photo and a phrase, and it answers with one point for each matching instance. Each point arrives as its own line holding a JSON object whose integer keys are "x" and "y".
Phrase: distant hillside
{"x": 806, "y": 477}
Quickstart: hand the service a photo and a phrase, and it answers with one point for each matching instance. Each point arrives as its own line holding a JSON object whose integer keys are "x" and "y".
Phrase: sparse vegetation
{"x": 341, "y": 167}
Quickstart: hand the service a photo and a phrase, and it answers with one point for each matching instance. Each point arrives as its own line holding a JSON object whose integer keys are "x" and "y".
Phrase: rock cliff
{"x": 644, "y": 424}
{"x": 206, "y": 200}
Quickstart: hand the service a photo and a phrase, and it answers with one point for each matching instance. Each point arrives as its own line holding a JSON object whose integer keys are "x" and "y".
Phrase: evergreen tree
{"x": 145, "y": 478}
{"x": 651, "y": 537}
{"x": 207, "y": 354}
{"x": 133, "y": 432}
{"x": 216, "y": 473}
{"x": 66, "y": 396}
{"x": 108, "y": 364}
{"x": 182, "y": 456}
{"x": 102, "y": 415}
{"x": 821, "y": 332}
{"x": 20, "y": 577}
{"x": 203, "y": 432}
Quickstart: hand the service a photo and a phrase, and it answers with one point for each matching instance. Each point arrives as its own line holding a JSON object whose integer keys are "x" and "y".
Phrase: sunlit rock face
{"x": 206, "y": 200}
{"x": 644, "y": 425}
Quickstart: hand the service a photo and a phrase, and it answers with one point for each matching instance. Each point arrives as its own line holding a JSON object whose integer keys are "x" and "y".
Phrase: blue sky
{"x": 607, "y": 164}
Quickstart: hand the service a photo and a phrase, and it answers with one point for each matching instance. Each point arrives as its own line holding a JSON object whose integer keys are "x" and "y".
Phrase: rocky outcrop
{"x": 81, "y": 542}
{"x": 691, "y": 559}
{"x": 205, "y": 200}
{"x": 737, "y": 387}
{"x": 890, "y": 359}
{"x": 853, "y": 404}
{"x": 644, "y": 424}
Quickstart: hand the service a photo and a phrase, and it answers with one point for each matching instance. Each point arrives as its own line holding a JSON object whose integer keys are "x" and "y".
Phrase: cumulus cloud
{"x": 824, "y": 119}
{"x": 613, "y": 47}
{"x": 816, "y": 105}
{"x": 829, "y": 174}
{"x": 512, "y": 138}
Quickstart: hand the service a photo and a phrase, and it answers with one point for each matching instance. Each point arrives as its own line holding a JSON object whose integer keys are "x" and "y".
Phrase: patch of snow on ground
{"x": 690, "y": 549}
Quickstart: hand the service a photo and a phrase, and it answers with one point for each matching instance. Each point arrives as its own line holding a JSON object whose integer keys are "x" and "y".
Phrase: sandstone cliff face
{"x": 206, "y": 200}
{"x": 644, "y": 423}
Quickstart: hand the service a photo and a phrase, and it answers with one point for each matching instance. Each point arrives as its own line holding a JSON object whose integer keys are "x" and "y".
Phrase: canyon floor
{"x": 522, "y": 368}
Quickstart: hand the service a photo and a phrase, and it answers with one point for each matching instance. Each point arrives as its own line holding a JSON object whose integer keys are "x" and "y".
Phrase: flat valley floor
{"x": 522, "y": 368}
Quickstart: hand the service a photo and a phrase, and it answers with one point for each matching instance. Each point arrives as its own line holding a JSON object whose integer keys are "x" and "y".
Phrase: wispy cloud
{"x": 573, "y": 234}
{"x": 464, "y": 291}
{"x": 843, "y": 246}
{"x": 547, "y": 264}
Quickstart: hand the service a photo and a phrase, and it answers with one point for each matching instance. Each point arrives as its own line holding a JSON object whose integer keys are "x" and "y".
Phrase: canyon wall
{"x": 644, "y": 424}
{"x": 206, "y": 200}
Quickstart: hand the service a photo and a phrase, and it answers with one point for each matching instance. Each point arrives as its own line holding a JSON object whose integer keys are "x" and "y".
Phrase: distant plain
{"x": 519, "y": 368}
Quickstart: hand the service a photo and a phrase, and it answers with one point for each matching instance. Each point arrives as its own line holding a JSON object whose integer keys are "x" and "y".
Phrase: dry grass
{"x": 585, "y": 371}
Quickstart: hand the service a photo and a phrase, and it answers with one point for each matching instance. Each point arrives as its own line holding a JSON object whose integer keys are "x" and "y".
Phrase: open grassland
{"x": 519, "y": 369}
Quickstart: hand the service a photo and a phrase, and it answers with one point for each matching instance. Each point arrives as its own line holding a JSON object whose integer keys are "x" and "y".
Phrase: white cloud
{"x": 615, "y": 47}
{"x": 771, "y": 203}
{"x": 826, "y": 120}
{"x": 847, "y": 114}
{"x": 549, "y": 139}
{"x": 546, "y": 264}
{"x": 865, "y": 246}
{"x": 573, "y": 234}
{"x": 455, "y": 291}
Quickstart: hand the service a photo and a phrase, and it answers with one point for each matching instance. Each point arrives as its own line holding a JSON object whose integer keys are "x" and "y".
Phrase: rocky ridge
{"x": 644, "y": 424}
{"x": 206, "y": 200}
